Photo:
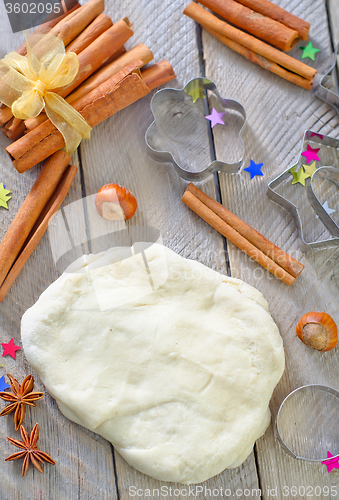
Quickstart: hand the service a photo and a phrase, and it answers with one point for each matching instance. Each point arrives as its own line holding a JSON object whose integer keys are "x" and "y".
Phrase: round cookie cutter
{"x": 306, "y": 423}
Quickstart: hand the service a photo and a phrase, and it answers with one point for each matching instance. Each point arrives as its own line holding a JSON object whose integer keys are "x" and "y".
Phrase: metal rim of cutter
{"x": 321, "y": 91}
{"x": 167, "y": 157}
{"x": 314, "y": 201}
{"x": 332, "y": 174}
{"x": 324, "y": 388}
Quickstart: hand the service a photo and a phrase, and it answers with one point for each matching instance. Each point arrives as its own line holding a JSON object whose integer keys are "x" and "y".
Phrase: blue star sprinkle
{"x": 254, "y": 169}
{"x": 3, "y": 384}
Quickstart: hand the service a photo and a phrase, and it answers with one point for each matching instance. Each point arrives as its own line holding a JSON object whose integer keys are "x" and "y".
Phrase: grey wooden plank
{"x": 334, "y": 14}
{"x": 134, "y": 484}
{"x": 278, "y": 114}
{"x": 158, "y": 189}
{"x": 79, "y": 453}
{"x": 84, "y": 460}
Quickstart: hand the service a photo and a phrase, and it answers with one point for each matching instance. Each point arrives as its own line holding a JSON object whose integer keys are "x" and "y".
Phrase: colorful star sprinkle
{"x": 254, "y": 169}
{"x": 4, "y": 196}
{"x": 327, "y": 209}
{"x": 195, "y": 91}
{"x": 311, "y": 154}
{"x": 300, "y": 176}
{"x": 3, "y": 384}
{"x": 215, "y": 118}
{"x": 309, "y": 51}
{"x": 313, "y": 134}
{"x": 10, "y": 348}
{"x": 310, "y": 169}
{"x": 331, "y": 464}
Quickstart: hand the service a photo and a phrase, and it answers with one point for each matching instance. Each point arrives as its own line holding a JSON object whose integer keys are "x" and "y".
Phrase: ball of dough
{"x": 169, "y": 360}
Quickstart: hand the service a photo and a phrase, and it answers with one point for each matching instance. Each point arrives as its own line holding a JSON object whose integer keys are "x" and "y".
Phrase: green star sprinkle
{"x": 310, "y": 169}
{"x": 299, "y": 176}
{"x": 195, "y": 90}
{"x": 4, "y": 196}
{"x": 309, "y": 51}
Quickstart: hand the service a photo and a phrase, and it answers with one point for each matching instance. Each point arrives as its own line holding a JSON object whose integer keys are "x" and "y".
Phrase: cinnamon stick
{"x": 265, "y": 28}
{"x": 31, "y": 123}
{"x": 13, "y": 123}
{"x": 9, "y": 123}
{"x": 273, "y": 11}
{"x": 73, "y": 24}
{"x": 39, "y": 228}
{"x": 5, "y": 115}
{"x": 120, "y": 52}
{"x": 30, "y": 210}
{"x": 115, "y": 94}
{"x": 158, "y": 74}
{"x": 91, "y": 33}
{"x": 232, "y": 235}
{"x": 211, "y": 22}
{"x": 263, "y": 62}
{"x": 291, "y": 265}
{"x": 13, "y": 135}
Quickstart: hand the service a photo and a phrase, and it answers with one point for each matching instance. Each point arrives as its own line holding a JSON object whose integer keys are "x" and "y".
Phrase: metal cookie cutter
{"x": 323, "y": 92}
{"x": 328, "y": 233}
{"x": 331, "y": 174}
{"x": 305, "y": 423}
{"x": 179, "y": 132}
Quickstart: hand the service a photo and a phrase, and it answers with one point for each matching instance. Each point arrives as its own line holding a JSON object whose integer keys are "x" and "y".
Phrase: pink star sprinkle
{"x": 313, "y": 134}
{"x": 10, "y": 348}
{"x": 331, "y": 464}
{"x": 311, "y": 154}
{"x": 215, "y": 118}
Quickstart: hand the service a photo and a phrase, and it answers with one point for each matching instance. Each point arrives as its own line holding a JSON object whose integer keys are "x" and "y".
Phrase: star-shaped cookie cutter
{"x": 323, "y": 92}
{"x": 329, "y": 172}
{"x": 161, "y": 108}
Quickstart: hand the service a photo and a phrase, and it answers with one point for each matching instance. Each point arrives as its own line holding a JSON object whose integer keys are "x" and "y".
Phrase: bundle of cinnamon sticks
{"x": 269, "y": 27}
{"x": 242, "y": 235}
{"x": 109, "y": 79}
{"x": 99, "y": 43}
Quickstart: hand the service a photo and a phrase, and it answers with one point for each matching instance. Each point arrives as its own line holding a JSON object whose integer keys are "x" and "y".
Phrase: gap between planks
{"x": 211, "y": 140}
{"x": 218, "y": 194}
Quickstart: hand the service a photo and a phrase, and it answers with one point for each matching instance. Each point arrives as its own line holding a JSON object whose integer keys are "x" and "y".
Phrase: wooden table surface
{"x": 278, "y": 113}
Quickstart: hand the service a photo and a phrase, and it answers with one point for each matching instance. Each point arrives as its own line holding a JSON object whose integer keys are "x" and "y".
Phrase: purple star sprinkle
{"x": 215, "y": 118}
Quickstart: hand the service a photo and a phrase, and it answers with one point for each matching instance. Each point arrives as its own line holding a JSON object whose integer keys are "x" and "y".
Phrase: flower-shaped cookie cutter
{"x": 179, "y": 128}
{"x": 329, "y": 173}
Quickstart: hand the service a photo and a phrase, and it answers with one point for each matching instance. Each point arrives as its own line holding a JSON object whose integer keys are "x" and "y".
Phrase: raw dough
{"x": 175, "y": 364}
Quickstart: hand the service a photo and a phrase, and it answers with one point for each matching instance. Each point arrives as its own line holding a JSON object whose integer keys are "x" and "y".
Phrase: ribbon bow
{"x": 26, "y": 84}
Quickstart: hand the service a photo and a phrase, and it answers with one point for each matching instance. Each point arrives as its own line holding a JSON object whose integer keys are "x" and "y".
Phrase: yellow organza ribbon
{"x": 26, "y": 84}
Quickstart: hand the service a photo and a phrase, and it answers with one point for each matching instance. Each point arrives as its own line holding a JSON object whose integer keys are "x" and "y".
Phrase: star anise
{"x": 21, "y": 396}
{"x": 30, "y": 451}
